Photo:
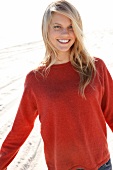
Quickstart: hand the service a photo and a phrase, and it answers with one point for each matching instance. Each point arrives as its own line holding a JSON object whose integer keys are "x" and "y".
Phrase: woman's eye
{"x": 56, "y": 27}
{"x": 71, "y": 27}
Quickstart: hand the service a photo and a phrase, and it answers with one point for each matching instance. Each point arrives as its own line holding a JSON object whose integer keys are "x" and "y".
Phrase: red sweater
{"x": 73, "y": 128}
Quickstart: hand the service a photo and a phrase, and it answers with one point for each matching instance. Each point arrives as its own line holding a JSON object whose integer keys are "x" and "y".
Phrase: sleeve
{"x": 107, "y": 101}
{"x": 22, "y": 126}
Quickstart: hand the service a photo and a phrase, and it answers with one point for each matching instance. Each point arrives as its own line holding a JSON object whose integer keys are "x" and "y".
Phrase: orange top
{"x": 73, "y": 128}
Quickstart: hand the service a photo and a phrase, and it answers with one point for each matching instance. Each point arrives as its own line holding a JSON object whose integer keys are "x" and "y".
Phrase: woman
{"x": 72, "y": 94}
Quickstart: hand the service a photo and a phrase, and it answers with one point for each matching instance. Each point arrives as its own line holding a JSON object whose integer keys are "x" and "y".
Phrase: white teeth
{"x": 63, "y": 41}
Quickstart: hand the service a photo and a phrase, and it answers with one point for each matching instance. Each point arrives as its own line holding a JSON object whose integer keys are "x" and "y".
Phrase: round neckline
{"x": 61, "y": 65}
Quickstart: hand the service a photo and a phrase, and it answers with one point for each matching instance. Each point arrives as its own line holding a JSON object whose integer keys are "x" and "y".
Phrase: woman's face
{"x": 61, "y": 33}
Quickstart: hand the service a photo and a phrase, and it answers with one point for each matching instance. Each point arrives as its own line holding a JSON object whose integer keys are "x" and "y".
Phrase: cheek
{"x": 73, "y": 35}
{"x": 52, "y": 36}
{"x": 52, "y": 39}
{"x": 53, "y": 33}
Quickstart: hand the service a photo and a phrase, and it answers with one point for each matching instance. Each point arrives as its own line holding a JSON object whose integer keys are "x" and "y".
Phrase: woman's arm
{"x": 22, "y": 126}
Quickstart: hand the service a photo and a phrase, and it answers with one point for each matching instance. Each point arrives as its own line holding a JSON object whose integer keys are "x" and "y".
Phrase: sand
{"x": 15, "y": 63}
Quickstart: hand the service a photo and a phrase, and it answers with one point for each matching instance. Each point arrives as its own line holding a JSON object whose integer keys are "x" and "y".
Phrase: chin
{"x": 63, "y": 49}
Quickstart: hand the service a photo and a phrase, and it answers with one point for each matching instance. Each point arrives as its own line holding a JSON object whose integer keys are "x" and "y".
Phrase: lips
{"x": 63, "y": 41}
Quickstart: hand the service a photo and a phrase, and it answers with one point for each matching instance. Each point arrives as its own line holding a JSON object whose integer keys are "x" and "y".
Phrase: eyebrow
{"x": 57, "y": 23}
{"x": 61, "y": 24}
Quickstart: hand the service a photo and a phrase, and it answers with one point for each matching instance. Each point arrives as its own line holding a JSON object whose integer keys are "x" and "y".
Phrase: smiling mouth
{"x": 63, "y": 41}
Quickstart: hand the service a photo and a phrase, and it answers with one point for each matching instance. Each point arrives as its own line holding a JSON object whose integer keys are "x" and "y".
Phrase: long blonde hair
{"x": 79, "y": 57}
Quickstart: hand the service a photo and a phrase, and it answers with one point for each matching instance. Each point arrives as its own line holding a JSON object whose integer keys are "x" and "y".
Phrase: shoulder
{"x": 34, "y": 76}
{"x": 102, "y": 69}
{"x": 99, "y": 64}
{"x": 29, "y": 79}
{"x": 99, "y": 61}
{"x": 30, "y": 76}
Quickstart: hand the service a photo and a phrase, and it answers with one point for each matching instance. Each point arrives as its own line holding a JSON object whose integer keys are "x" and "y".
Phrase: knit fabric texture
{"x": 73, "y": 128}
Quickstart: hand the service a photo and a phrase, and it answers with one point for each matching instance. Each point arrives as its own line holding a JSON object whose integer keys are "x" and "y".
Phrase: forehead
{"x": 60, "y": 18}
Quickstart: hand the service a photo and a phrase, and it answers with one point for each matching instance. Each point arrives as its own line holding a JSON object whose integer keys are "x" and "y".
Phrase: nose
{"x": 65, "y": 31}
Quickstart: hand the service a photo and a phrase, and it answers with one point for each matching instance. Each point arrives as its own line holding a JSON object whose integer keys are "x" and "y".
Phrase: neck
{"x": 61, "y": 61}
{"x": 62, "y": 58}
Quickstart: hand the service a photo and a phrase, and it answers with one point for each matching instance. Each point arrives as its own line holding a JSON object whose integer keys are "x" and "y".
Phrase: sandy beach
{"x": 15, "y": 63}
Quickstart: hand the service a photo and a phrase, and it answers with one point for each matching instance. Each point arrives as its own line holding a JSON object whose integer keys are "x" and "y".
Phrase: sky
{"x": 20, "y": 20}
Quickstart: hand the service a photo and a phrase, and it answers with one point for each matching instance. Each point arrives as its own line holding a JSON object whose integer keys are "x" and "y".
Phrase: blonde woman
{"x": 71, "y": 92}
